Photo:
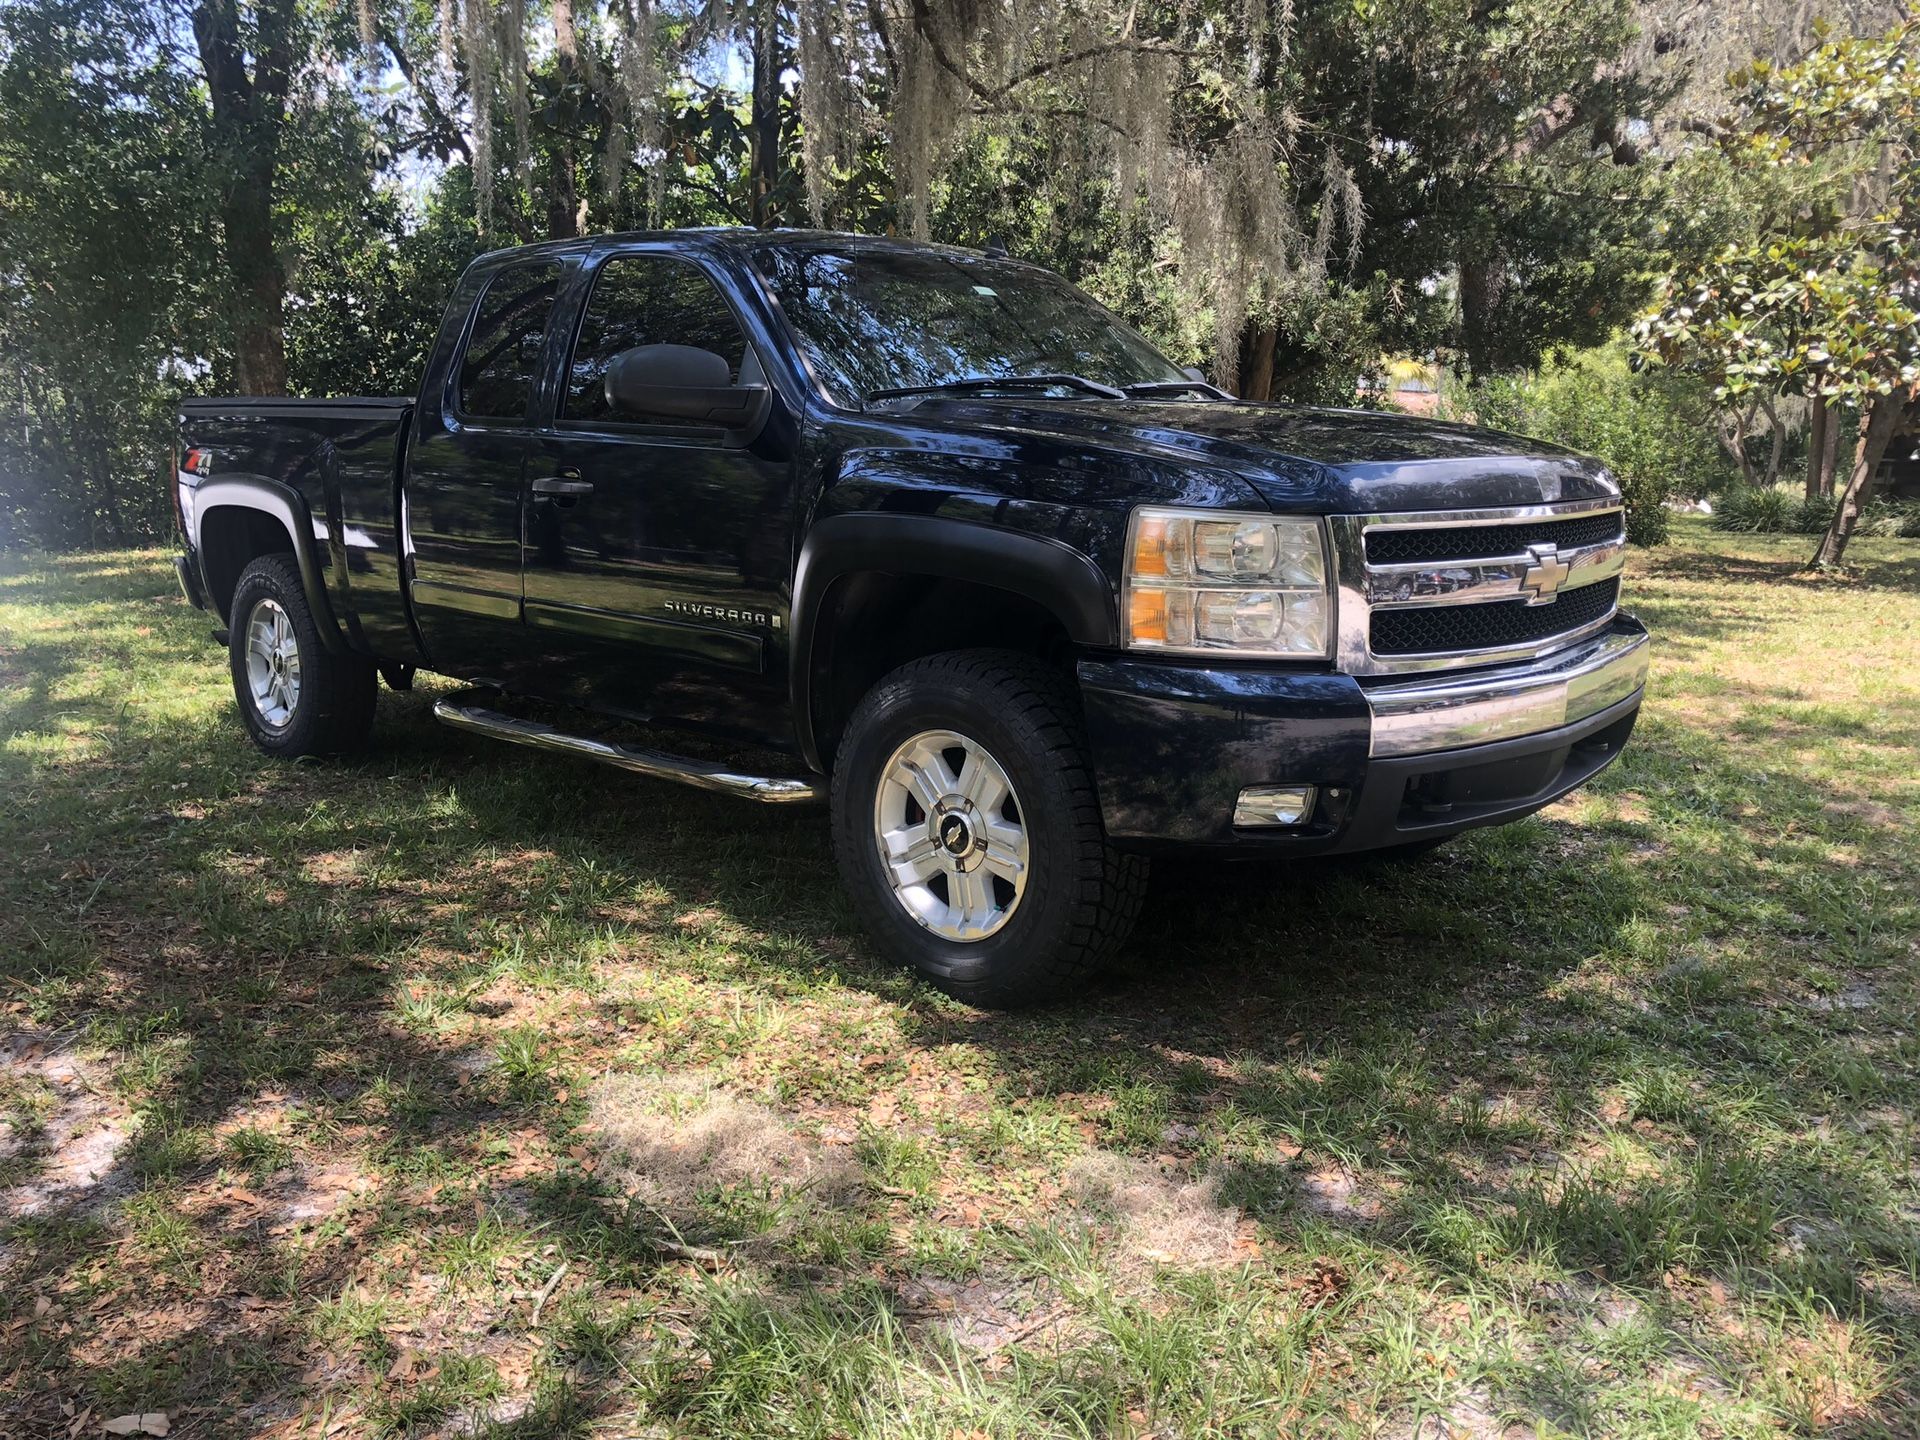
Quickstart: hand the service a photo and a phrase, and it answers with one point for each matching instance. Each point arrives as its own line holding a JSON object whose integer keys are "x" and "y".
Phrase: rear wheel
{"x": 296, "y": 697}
{"x": 968, "y": 832}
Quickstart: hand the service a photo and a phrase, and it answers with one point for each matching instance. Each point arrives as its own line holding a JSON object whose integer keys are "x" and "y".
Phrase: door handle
{"x": 563, "y": 491}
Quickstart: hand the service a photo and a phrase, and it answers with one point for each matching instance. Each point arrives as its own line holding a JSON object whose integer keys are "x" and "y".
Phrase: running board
{"x": 701, "y": 774}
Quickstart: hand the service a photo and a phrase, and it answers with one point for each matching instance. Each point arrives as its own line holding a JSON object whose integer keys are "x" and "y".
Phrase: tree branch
{"x": 443, "y": 129}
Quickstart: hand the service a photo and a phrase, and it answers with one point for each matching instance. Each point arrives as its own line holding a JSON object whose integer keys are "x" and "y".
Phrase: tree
{"x": 102, "y": 259}
{"x": 1828, "y": 305}
{"x": 248, "y": 109}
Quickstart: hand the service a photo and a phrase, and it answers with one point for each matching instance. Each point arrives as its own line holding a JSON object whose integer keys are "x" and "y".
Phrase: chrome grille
{"x": 1488, "y": 627}
{"x": 1484, "y": 542}
{"x": 1438, "y": 590}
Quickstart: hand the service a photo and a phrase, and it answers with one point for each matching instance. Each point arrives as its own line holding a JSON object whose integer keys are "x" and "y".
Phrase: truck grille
{"x": 1437, "y": 590}
{"x": 1489, "y": 627}
{"x": 1480, "y": 542}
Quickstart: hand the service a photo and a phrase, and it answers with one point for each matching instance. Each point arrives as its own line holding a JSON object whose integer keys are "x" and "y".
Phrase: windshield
{"x": 872, "y": 319}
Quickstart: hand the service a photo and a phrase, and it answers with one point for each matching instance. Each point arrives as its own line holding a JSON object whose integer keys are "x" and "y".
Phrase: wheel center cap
{"x": 955, "y": 835}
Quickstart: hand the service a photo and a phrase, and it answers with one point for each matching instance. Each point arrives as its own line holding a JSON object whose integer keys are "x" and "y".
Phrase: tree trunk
{"x": 1732, "y": 434}
{"x": 99, "y": 463}
{"x": 565, "y": 213}
{"x": 249, "y": 112}
{"x": 260, "y": 286}
{"x": 1483, "y": 289}
{"x": 1256, "y": 365}
{"x": 1830, "y": 449}
{"x": 764, "y": 127}
{"x": 1881, "y": 418}
{"x": 1778, "y": 433}
{"x": 1818, "y": 427}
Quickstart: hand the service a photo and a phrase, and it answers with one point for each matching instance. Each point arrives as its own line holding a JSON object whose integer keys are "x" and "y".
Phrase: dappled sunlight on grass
{"x": 457, "y": 1085}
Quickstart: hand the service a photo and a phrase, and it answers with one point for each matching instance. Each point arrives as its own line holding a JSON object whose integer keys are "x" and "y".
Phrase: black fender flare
{"x": 1054, "y": 575}
{"x": 286, "y": 505}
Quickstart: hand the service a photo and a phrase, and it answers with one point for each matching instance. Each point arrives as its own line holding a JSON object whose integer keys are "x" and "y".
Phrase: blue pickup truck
{"x": 971, "y": 561}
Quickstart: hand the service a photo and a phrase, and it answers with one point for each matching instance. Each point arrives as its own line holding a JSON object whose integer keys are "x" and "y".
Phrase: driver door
{"x": 656, "y": 551}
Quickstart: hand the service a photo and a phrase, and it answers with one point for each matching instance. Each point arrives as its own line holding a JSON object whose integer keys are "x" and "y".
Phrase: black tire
{"x": 333, "y": 712}
{"x": 1081, "y": 895}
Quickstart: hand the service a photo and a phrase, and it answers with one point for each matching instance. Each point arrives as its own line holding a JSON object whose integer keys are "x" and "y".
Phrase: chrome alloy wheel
{"x": 950, "y": 834}
{"x": 273, "y": 663}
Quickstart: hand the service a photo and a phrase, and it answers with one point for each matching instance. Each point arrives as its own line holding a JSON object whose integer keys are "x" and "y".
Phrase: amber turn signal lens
{"x": 1152, "y": 540}
{"x": 1147, "y": 616}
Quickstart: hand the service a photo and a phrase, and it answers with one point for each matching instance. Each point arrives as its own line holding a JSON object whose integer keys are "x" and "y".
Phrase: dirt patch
{"x": 1857, "y": 996}
{"x": 673, "y": 1142}
{"x": 985, "y": 1313}
{"x": 1473, "y": 1416}
{"x": 1337, "y": 1195}
{"x": 1158, "y": 1218}
{"x": 67, "y": 1154}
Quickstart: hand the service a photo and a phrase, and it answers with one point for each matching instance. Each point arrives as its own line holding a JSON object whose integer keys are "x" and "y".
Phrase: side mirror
{"x": 679, "y": 382}
{"x": 1194, "y": 372}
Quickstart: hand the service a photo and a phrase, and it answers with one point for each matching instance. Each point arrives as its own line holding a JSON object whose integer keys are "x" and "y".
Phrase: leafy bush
{"x": 1652, "y": 429}
{"x": 1898, "y": 519}
{"x": 1757, "y": 512}
{"x": 1812, "y": 516}
{"x": 1777, "y": 512}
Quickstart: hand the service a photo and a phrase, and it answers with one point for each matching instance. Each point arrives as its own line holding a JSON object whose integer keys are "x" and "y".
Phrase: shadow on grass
{"x": 261, "y": 938}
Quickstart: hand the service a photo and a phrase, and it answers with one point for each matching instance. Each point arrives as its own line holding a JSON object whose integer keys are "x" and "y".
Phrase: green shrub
{"x": 1894, "y": 519}
{"x": 1652, "y": 429}
{"x": 1812, "y": 516}
{"x": 1755, "y": 511}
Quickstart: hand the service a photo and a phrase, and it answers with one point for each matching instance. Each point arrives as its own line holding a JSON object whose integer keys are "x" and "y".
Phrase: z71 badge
{"x": 699, "y": 610}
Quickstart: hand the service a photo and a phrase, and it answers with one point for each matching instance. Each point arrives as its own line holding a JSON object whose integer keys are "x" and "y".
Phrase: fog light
{"x": 1273, "y": 805}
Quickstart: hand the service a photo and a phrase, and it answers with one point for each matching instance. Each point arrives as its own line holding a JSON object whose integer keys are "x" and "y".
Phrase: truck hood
{"x": 1304, "y": 460}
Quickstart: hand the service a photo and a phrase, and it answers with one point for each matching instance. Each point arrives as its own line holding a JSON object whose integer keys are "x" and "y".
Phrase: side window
{"x": 503, "y": 350}
{"x": 645, "y": 300}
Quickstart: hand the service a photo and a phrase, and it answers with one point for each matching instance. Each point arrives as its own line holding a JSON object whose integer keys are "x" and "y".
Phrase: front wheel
{"x": 296, "y": 697}
{"x": 967, "y": 829}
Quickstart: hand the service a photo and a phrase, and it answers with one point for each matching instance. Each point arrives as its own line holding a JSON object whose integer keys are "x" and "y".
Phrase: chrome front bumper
{"x": 1452, "y": 712}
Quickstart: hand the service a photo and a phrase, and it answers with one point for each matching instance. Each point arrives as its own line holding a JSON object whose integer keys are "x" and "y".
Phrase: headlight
{"x": 1204, "y": 580}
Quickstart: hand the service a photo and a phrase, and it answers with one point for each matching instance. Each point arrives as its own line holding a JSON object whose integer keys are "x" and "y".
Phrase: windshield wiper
{"x": 1151, "y": 388}
{"x": 976, "y": 383}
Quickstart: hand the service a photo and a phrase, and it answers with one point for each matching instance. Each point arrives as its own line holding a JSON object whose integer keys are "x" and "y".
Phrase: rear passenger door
{"x": 657, "y": 550}
{"x": 465, "y": 474}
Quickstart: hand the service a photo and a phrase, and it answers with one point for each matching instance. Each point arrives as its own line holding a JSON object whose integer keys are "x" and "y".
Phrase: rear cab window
{"x": 501, "y": 365}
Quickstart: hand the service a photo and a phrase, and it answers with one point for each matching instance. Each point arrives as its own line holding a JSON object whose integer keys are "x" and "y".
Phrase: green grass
{"x": 319, "y": 1080}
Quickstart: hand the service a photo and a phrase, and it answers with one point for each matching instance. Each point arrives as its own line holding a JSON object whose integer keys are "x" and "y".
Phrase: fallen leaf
{"x": 147, "y": 1422}
{"x": 1328, "y": 1282}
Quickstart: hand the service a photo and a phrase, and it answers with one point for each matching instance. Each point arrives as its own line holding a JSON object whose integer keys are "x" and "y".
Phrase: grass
{"x": 459, "y": 1090}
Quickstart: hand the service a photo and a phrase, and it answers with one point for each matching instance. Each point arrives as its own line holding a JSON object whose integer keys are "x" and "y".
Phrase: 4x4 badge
{"x": 1544, "y": 576}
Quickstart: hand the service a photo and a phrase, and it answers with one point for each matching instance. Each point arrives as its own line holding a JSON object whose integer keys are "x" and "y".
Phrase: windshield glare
{"x": 883, "y": 319}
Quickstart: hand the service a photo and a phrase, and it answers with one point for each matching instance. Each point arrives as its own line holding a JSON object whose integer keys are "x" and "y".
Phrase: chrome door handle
{"x": 563, "y": 491}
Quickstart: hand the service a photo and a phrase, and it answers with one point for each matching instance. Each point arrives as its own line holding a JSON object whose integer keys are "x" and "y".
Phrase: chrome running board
{"x": 701, "y": 774}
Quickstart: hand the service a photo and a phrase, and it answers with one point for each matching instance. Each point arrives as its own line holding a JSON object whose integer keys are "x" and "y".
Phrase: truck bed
{"x": 342, "y": 459}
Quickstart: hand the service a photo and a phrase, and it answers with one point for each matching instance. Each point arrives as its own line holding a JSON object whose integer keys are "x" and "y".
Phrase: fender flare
{"x": 289, "y": 507}
{"x": 1039, "y": 568}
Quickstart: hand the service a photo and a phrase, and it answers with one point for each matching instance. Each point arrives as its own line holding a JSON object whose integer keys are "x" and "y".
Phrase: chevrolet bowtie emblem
{"x": 1543, "y": 578}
